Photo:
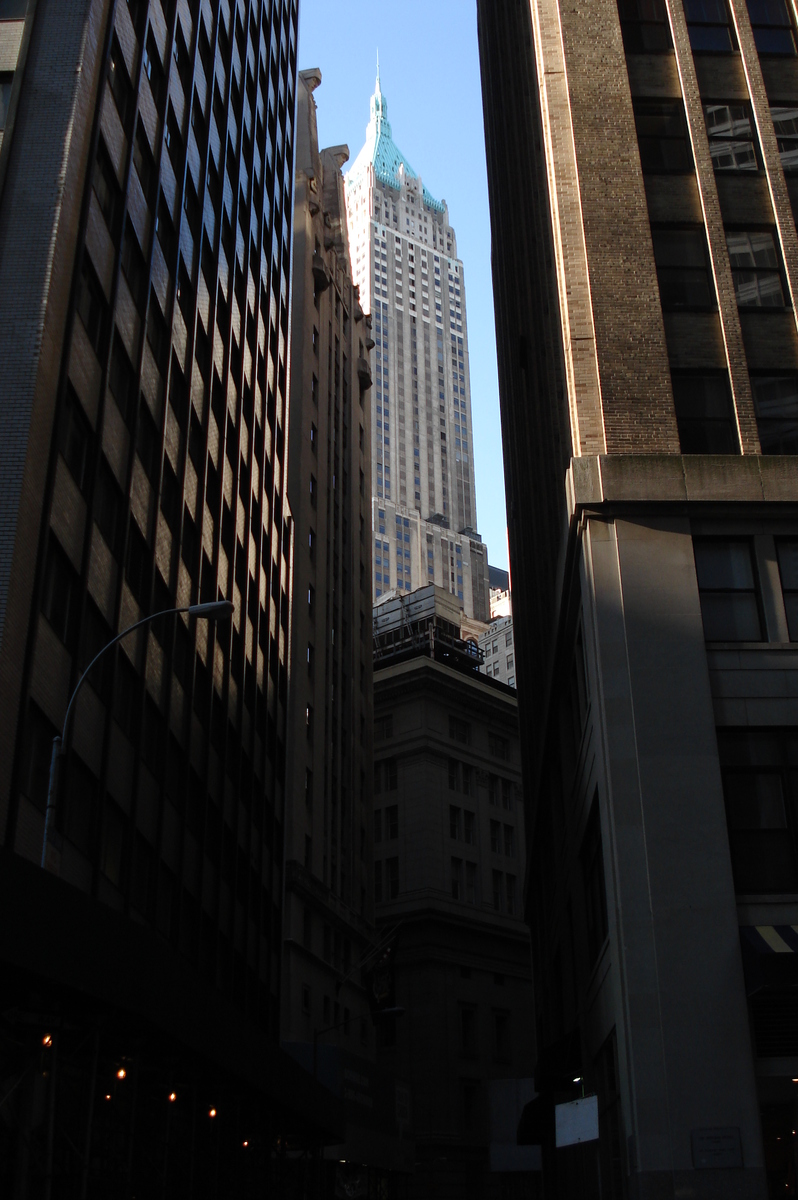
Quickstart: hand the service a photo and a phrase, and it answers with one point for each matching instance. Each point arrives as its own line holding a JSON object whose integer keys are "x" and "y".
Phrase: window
{"x": 785, "y": 122}
{"x": 60, "y": 594}
{"x": 496, "y": 837}
{"x": 76, "y": 438}
{"x": 383, "y": 727}
{"x": 392, "y": 822}
{"x": 378, "y": 825}
{"x": 682, "y": 268}
{"x": 760, "y": 787}
{"x": 390, "y": 774}
{"x": 455, "y": 825}
{"x": 468, "y": 1030}
{"x": 787, "y": 550}
{"x": 457, "y": 878}
{"x": 728, "y": 591}
{"x": 507, "y": 794}
{"x": 469, "y": 828}
{"x": 662, "y": 136}
{"x": 378, "y": 882}
{"x": 755, "y": 268}
{"x": 493, "y": 789}
{"x": 772, "y": 27}
{"x": 471, "y": 883}
{"x": 509, "y": 841}
{"x": 392, "y": 877}
{"x": 645, "y": 28}
{"x": 704, "y": 413}
{"x": 776, "y": 403}
{"x": 467, "y": 773}
{"x": 120, "y": 85}
{"x": 732, "y": 141}
{"x": 592, "y": 857}
{"x": 499, "y": 746}
{"x": 453, "y": 766}
{"x": 107, "y": 189}
{"x": 501, "y": 1036}
{"x": 709, "y": 26}
{"x": 510, "y": 881}
{"x": 459, "y": 730}
{"x": 92, "y": 307}
{"x": 498, "y": 894}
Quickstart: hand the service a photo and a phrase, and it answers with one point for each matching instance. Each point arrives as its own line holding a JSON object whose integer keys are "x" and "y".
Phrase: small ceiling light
{"x": 172, "y": 1097}
{"x": 108, "y": 1095}
{"x": 245, "y": 1145}
{"x": 47, "y": 1040}
{"x": 121, "y": 1073}
{"x": 212, "y": 1112}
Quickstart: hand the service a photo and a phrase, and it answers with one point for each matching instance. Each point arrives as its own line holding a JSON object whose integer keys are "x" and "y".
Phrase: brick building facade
{"x": 641, "y": 161}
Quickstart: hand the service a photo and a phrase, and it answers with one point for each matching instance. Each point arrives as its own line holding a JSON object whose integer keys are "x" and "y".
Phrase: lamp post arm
{"x": 210, "y": 610}
{"x": 165, "y": 612}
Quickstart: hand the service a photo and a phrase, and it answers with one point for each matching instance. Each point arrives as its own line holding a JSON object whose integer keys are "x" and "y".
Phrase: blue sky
{"x": 429, "y": 69}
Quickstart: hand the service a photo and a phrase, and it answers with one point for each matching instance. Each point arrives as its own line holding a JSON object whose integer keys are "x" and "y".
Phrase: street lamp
{"x": 214, "y": 610}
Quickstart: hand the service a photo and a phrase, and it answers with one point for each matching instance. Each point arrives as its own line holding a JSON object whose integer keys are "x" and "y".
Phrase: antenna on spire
{"x": 378, "y": 68}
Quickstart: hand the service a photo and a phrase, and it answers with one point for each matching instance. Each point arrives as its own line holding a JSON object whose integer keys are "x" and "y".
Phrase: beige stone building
{"x": 641, "y": 160}
{"x": 448, "y": 869}
{"x": 404, "y": 259}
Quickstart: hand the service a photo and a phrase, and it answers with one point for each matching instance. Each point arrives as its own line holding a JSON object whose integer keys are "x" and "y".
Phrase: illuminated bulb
{"x": 121, "y": 1073}
{"x": 212, "y": 1112}
{"x": 172, "y": 1096}
{"x": 108, "y": 1095}
{"x": 245, "y": 1145}
{"x": 47, "y": 1040}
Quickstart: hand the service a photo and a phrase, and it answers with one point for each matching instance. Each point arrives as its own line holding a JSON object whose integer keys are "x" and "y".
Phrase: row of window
{"x": 730, "y": 591}
{"x": 646, "y": 29}
{"x": 664, "y": 140}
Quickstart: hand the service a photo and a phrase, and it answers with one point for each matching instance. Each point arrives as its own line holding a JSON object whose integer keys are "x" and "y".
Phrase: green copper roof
{"x": 381, "y": 150}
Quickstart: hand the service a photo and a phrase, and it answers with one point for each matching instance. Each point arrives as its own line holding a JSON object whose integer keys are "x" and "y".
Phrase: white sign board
{"x": 576, "y": 1122}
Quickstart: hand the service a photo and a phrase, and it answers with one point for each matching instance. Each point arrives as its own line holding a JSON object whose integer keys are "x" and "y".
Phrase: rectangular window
{"x": 457, "y": 878}
{"x": 453, "y": 764}
{"x": 785, "y": 122}
{"x": 378, "y": 882}
{"x": 732, "y": 140}
{"x": 392, "y": 877}
{"x": 468, "y": 1030}
{"x": 493, "y": 789}
{"x": 60, "y": 590}
{"x": 682, "y": 268}
{"x": 510, "y": 881}
{"x": 760, "y": 787}
{"x": 469, "y": 828}
{"x": 728, "y": 590}
{"x": 498, "y": 893}
{"x": 496, "y": 837}
{"x": 709, "y": 26}
{"x": 459, "y": 730}
{"x": 390, "y": 775}
{"x": 471, "y": 883}
{"x": 377, "y": 778}
{"x": 392, "y": 822}
{"x": 509, "y": 841}
{"x": 592, "y": 857}
{"x": 501, "y": 1036}
{"x": 645, "y": 28}
{"x": 467, "y": 773}
{"x": 455, "y": 828}
{"x": 499, "y": 746}
{"x": 756, "y": 268}
{"x": 662, "y": 137}
{"x": 507, "y": 794}
{"x": 776, "y": 404}
{"x": 378, "y": 825}
{"x": 704, "y": 413}
{"x": 787, "y": 550}
{"x": 772, "y": 26}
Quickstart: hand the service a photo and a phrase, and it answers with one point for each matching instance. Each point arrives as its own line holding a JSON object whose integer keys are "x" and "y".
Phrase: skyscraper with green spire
{"x": 404, "y": 259}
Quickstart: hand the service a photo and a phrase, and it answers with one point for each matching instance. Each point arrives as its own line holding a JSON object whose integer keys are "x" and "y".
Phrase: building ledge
{"x": 623, "y": 479}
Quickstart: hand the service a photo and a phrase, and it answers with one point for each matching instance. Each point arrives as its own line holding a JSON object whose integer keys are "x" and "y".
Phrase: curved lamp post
{"x": 214, "y": 610}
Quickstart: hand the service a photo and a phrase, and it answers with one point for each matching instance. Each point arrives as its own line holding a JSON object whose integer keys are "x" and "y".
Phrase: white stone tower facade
{"x": 404, "y": 254}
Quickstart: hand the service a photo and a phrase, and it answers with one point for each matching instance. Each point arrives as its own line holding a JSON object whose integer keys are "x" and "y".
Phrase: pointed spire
{"x": 378, "y": 88}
